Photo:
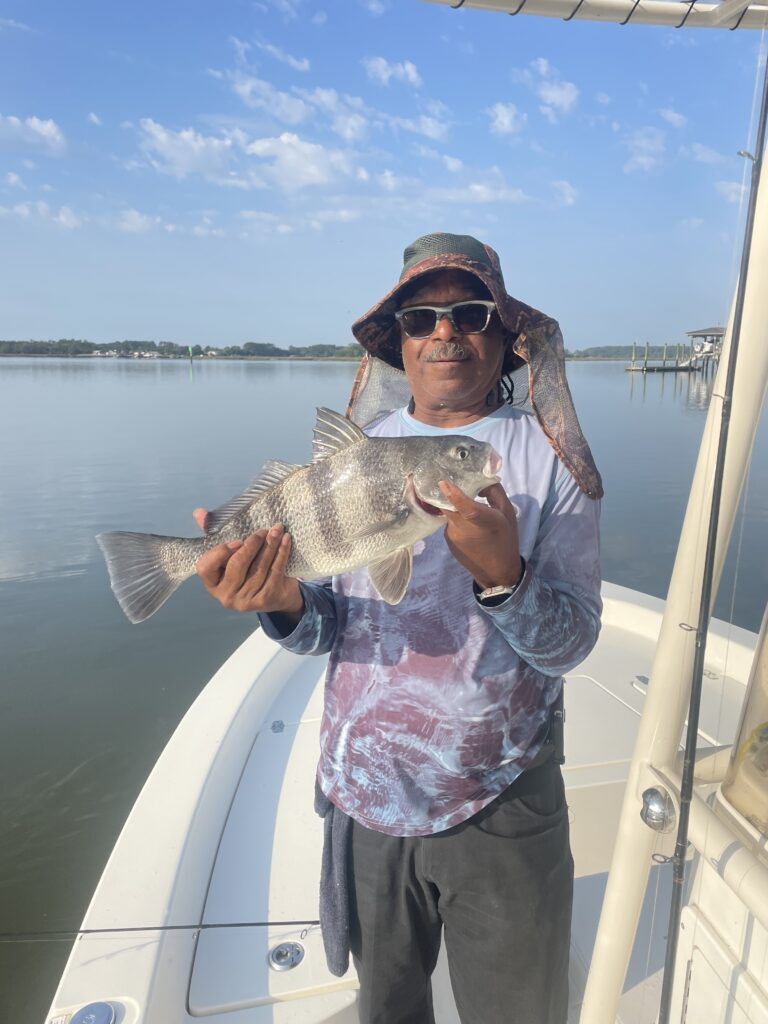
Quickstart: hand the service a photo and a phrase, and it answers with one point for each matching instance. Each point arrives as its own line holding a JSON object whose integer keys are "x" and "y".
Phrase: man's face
{"x": 449, "y": 369}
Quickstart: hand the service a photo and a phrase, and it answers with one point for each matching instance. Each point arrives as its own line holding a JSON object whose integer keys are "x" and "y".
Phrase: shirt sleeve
{"x": 552, "y": 621}
{"x": 315, "y": 631}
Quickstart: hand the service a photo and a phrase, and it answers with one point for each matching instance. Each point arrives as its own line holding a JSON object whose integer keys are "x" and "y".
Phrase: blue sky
{"x": 215, "y": 173}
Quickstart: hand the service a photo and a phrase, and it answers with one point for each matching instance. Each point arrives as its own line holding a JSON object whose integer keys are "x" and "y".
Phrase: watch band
{"x": 496, "y": 595}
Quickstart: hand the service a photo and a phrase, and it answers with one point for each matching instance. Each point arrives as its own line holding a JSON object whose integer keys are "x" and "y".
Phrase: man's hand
{"x": 249, "y": 575}
{"x": 483, "y": 538}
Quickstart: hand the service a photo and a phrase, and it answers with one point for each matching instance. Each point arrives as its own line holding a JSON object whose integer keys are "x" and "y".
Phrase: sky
{"x": 251, "y": 170}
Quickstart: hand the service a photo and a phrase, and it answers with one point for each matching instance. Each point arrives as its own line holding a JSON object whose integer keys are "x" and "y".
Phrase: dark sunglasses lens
{"x": 419, "y": 323}
{"x": 470, "y": 317}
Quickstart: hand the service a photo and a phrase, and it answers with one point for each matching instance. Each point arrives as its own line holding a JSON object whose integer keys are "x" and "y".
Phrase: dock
{"x": 701, "y": 355}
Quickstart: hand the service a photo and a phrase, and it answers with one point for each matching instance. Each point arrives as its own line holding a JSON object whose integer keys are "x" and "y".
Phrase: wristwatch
{"x": 493, "y": 596}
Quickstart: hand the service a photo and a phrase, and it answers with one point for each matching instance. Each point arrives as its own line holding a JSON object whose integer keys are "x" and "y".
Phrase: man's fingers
{"x": 201, "y": 517}
{"x": 461, "y": 501}
{"x": 268, "y": 570}
{"x": 281, "y": 558}
{"x": 262, "y": 565}
{"x": 211, "y": 565}
{"x": 497, "y": 498}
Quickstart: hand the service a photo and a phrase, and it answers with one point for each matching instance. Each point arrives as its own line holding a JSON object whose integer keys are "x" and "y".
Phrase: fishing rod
{"x": 76, "y": 933}
{"x": 697, "y": 675}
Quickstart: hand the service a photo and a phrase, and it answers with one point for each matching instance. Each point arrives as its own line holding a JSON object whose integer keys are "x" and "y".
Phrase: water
{"x": 88, "y": 701}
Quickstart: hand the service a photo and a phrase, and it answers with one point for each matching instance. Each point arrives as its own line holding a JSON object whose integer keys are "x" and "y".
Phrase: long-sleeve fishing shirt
{"x": 435, "y": 705}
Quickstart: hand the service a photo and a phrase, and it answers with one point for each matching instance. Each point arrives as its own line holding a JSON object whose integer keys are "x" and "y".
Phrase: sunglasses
{"x": 468, "y": 317}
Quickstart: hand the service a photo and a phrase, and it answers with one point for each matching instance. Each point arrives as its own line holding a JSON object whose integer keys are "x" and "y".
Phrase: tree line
{"x": 256, "y": 349}
{"x": 170, "y": 350}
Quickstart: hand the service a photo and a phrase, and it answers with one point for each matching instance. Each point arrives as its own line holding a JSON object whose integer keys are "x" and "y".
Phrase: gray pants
{"x": 500, "y": 884}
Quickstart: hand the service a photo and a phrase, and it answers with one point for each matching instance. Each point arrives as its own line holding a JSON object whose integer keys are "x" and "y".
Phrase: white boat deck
{"x": 239, "y": 844}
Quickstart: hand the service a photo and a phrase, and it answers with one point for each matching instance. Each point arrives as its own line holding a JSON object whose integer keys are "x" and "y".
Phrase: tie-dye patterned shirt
{"x": 435, "y": 705}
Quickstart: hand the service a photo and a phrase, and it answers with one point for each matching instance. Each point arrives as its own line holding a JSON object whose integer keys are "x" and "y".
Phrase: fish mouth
{"x": 492, "y": 466}
{"x": 415, "y": 499}
{"x": 431, "y": 510}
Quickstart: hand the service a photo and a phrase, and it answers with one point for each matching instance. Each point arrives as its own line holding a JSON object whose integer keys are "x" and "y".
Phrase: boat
{"x": 208, "y": 907}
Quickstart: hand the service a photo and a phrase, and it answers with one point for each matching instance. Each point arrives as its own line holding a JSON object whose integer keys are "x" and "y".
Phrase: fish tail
{"x": 145, "y": 569}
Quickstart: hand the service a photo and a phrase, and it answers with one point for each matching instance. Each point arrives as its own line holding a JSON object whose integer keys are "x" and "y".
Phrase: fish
{"x": 361, "y": 502}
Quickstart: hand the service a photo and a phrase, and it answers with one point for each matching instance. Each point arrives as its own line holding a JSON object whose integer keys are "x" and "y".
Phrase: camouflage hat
{"x": 534, "y": 349}
{"x": 378, "y": 331}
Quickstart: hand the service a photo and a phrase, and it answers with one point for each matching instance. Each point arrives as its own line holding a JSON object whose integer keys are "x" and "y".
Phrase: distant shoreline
{"x": 247, "y": 359}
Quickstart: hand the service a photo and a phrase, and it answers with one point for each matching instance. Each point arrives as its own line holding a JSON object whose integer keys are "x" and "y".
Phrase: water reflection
{"x": 691, "y": 390}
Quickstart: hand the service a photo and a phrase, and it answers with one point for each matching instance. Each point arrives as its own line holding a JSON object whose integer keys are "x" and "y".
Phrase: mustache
{"x": 444, "y": 350}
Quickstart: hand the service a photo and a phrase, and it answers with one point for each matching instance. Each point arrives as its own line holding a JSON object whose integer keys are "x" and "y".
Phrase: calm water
{"x": 88, "y": 701}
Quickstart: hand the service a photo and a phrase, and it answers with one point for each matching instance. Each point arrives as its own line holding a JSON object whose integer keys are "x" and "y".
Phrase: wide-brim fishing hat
{"x": 378, "y": 331}
{"x": 531, "y": 338}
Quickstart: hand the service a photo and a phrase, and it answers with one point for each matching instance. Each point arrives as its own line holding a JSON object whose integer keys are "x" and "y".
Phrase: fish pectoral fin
{"x": 333, "y": 433}
{"x": 391, "y": 575}
{"x": 272, "y": 473}
{"x": 380, "y": 525}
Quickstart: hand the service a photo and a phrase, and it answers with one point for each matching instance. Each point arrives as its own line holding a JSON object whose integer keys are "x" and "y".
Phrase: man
{"x": 436, "y": 743}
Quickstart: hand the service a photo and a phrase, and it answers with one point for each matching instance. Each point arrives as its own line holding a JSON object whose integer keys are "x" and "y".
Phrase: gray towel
{"x": 334, "y": 883}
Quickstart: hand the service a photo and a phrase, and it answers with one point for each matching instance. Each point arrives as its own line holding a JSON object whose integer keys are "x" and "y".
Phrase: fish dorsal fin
{"x": 391, "y": 575}
{"x": 333, "y": 433}
{"x": 272, "y": 473}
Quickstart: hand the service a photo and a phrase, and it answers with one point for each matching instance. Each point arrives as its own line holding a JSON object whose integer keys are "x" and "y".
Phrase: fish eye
{"x": 462, "y": 453}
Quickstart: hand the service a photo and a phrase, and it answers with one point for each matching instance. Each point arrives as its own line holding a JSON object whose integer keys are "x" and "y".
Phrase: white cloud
{"x": 64, "y": 217}
{"x": 94, "y": 118}
{"x": 673, "y": 117}
{"x": 388, "y": 181}
{"x": 319, "y": 18}
{"x": 318, "y": 220}
{"x": 289, "y": 8}
{"x": 557, "y": 96}
{"x": 258, "y": 216}
{"x": 732, "y": 191}
{"x": 350, "y": 126}
{"x": 241, "y": 48}
{"x": 206, "y": 228}
{"x": 565, "y": 193}
{"x": 702, "y": 154}
{"x": 382, "y": 71}
{"x": 297, "y": 63}
{"x": 603, "y": 98}
{"x": 14, "y": 180}
{"x": 9, "y": 23}
{"x": 263, "y": 221}
{"x": 478, "y": 193}
{"x": 646, "y": 148}
{"x": 185, "y": 152}
{"x": 506, "y": 119}
{"x": 431, "y": 127}
{"x": 453, "y": 164}
{"x": 375, "y": 7}
{"x": 346, "y": 115}
{"x": 259, "y": 94}
{"x": 132, "y": 222}
{"x": 32, "y": 131}
{"x": 293, "y": 163}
